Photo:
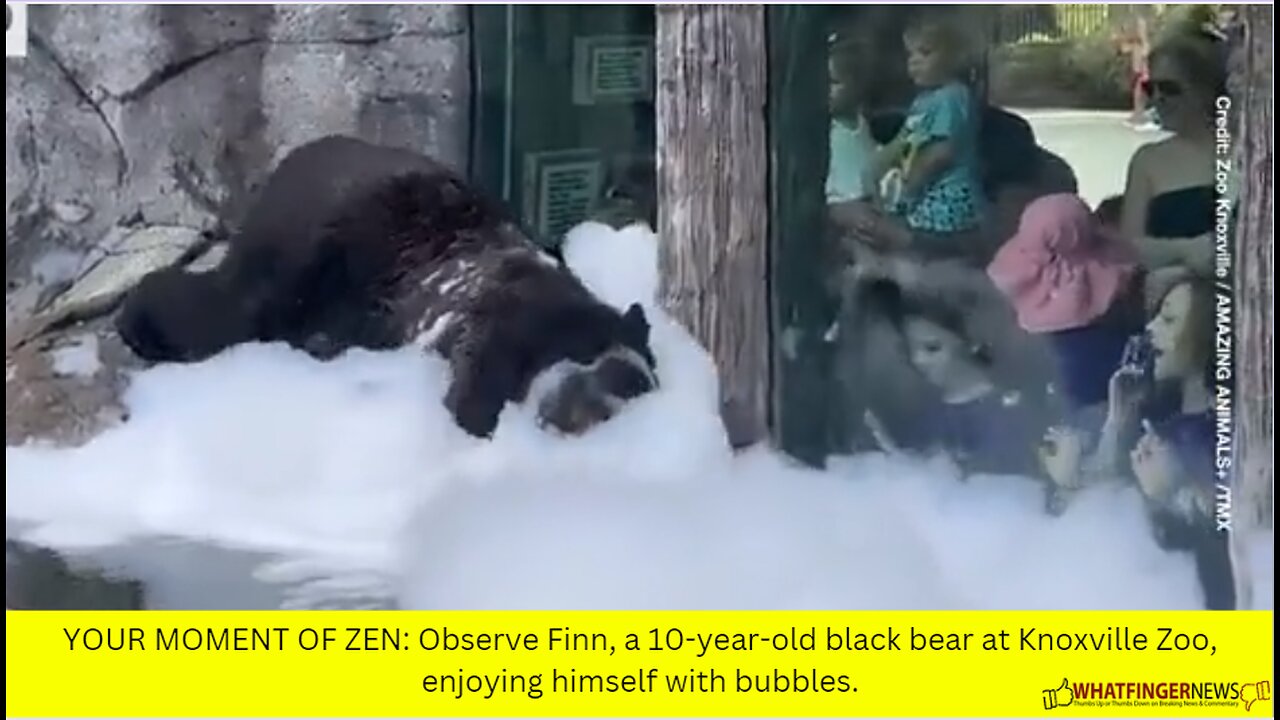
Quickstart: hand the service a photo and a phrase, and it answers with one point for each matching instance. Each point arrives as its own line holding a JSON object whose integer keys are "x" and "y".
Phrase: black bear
{"x": 354, "y": 245}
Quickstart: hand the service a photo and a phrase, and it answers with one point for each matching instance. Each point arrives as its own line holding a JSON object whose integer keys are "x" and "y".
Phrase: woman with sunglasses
{"x": 1169, "y": 196}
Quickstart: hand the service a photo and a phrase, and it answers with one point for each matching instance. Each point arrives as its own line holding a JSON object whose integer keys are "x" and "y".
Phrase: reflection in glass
{"x": 1002, "y": 283}
{"x": 564, "y": 113}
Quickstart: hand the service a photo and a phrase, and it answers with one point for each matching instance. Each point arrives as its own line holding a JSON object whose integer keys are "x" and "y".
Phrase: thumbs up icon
{"x": 1253, "y": 692}
{"x": 1060, "y": 697}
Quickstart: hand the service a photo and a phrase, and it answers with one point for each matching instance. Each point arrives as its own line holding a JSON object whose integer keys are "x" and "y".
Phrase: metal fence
{"x": 1050, "y": 23}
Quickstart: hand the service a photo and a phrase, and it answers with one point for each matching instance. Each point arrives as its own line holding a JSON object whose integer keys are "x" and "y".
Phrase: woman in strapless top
{"x": 1169, "y": 197}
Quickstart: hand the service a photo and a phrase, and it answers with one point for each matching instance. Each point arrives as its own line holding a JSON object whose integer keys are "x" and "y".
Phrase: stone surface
{"x": 170, "y": 115}
{"x": 45, "y": 405}
{"x": 71, "y": 213}
{"x": 131, "y": 129}
{"x": 122, "y": 259}
{"x": 64, "y": 386}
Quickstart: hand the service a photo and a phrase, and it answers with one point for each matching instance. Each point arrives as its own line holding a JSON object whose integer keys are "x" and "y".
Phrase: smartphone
{"x": 1138, "y": 354}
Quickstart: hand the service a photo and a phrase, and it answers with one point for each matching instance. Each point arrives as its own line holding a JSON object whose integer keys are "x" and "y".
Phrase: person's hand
{"x": 868, "y": 226}
{"x": 850, "y": 214}
{"x": 886, "y": 232}
{"x": 1126, "y": 392}
{"x": 898, "y": 146}
{"x": 1154, "y": 465}
{"x": 1061, "y": 455}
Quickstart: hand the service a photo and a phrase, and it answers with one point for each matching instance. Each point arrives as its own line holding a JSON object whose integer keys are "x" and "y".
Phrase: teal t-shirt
{"x": 952, "y": 201}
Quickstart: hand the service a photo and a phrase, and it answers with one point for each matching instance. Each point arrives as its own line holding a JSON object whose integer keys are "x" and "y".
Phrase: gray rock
{"x": 51, "y": 396}
{"x": 44, "y": 404}
{"x": 71, "y": 213}
{"x": 172, "y": 114}
{"x": 123, "y": 259}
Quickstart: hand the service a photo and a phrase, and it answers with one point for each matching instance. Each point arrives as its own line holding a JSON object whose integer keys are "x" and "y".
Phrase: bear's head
{"x": 601, "y": 378}
{"x": 178, "y": 316}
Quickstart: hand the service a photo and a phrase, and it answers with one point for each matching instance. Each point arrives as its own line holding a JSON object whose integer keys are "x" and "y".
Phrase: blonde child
{"x": 936, "y": 152}
{"x": 929, "y": 174}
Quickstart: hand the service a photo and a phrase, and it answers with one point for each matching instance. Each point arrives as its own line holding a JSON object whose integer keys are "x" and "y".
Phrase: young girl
{"x": 983, "y": 427}
{"x": 930, "y": 175}
{"x": 1072, "y": 282}
{"x": 852, "y": 148}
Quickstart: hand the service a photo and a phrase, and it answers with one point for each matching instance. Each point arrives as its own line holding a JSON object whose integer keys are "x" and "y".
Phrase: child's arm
{"x": 885, "y": 158}
{"x": 944, "y": 116}
{"x": 931, "y": 161}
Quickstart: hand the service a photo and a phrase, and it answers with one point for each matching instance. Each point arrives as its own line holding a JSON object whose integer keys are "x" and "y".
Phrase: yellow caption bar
{"x": 695, "y": 664}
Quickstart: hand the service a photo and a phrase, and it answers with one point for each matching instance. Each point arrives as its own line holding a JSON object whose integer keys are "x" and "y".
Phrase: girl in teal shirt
{"x": 936, "y": 151}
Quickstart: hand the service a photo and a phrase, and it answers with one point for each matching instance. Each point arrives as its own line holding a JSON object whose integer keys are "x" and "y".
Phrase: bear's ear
{"x": 635, "y": 326}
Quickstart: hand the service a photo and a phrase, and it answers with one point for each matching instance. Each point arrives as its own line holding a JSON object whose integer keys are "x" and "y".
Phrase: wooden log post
{"x": 713, "y": 196}
{"x": 1250, "y": 82}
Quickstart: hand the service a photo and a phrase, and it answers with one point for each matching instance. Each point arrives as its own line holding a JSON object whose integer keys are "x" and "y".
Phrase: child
{"x": 933, "y": 162}
{"x": 852, "y": 147}
{"x": 1073, "y": 282}
{"x": 984, "y": 428}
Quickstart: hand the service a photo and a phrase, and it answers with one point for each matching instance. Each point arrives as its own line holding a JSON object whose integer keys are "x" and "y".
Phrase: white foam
{"x": 78, "y": 358}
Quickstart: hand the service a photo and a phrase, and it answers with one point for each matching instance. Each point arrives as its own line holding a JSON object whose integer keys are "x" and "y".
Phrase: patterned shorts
{"x": 945, "y": 208}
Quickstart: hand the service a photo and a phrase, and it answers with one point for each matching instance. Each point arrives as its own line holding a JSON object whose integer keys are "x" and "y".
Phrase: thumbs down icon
{"x": 1253, "y": 692}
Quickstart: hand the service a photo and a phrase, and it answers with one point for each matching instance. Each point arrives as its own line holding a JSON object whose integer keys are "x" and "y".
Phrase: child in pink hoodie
{"x": 1072, "y": 280}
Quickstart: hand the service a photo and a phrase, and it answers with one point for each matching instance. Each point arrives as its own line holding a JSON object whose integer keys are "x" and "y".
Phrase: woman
{"x": 1169, "y": 194}
{"x": 1174, "y": 390}
{"x": 1167, "y": 419}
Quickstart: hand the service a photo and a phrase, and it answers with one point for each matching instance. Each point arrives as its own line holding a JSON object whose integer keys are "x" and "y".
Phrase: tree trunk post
{"x": 713, "y": 197}
{"x": 1254, "y": 290}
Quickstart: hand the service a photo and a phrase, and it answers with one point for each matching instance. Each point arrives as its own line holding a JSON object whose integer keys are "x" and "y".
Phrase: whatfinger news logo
{"x": 1157, "y": 694}
{"x": 15, "y": 30}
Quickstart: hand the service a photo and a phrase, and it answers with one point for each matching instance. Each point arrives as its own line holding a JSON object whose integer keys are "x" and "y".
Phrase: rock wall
{"x": 170, "y": 115}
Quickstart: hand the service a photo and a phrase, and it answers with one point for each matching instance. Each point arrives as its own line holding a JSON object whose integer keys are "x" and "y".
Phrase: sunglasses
{"x": 1165, "y": 88}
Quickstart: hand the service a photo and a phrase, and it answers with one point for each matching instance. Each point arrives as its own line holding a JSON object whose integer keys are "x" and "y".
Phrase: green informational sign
{"x": 561, "y": 188}
{"x": 563, "y": 108}
{"x": 613, "y": 69}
